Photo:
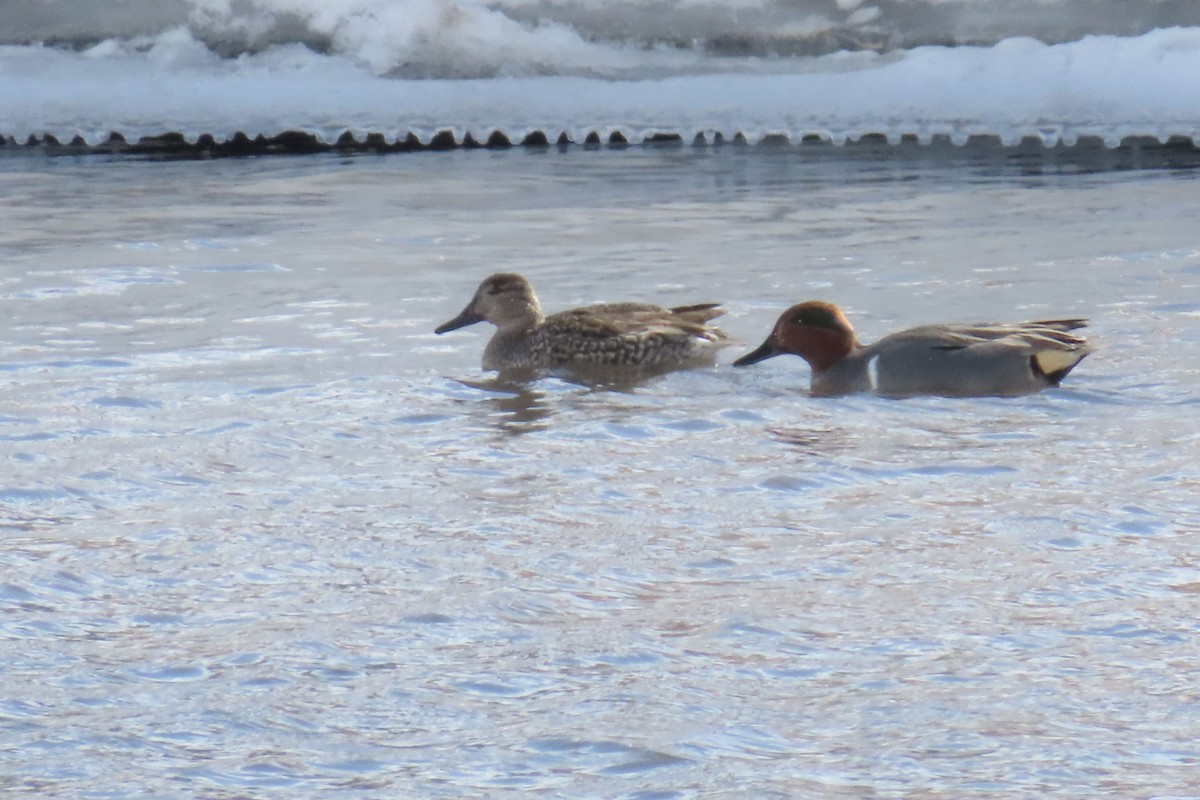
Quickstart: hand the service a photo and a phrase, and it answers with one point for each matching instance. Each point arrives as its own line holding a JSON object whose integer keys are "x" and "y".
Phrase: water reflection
{"x": 812, "y": 441}
{"x": 518, "y": 402}
{"x": 512, "y": 405}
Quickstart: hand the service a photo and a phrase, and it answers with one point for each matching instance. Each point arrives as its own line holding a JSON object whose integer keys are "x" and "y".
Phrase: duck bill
{"x": 767, "y": 349}
{"x": 468, "y": 317}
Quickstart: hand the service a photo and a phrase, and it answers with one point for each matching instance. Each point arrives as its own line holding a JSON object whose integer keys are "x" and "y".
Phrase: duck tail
{"x": 1062, "y": 324}
{"x": 700, "y": 313}
{"x": 1054, "y": 365}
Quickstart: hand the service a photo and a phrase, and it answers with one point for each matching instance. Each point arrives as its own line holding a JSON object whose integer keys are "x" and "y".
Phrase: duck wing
{"x": 631, "y": 334}
{"x": 635, "y": 320}
{"x": 1027, "y": 336}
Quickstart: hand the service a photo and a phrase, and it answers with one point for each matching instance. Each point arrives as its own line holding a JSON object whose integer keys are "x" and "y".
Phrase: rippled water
{"x": 264, "y": 534}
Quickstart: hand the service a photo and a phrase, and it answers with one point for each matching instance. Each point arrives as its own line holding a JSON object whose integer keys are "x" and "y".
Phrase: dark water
{"x": 264, "y": 534}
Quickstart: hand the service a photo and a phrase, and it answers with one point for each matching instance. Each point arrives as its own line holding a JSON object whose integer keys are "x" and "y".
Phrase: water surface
{"x": 264, "y": 534}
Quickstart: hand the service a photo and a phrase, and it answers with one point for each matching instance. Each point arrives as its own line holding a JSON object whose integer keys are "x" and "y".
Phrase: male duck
{"x": 951, "y": 360}
{"x": 632, "y": 337}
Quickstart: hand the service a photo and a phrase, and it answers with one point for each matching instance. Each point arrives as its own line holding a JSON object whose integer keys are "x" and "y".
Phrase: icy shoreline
{"x": 1106, "y": 87}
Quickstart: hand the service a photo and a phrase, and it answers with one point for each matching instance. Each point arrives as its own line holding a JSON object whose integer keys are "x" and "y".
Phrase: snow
{"x": 174, "y": 80}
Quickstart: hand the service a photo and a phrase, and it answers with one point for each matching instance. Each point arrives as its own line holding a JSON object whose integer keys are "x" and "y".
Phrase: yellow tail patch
{"x": 1052, "y": 361}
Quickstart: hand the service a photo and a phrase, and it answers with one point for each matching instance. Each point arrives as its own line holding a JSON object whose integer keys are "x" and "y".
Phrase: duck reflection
{"x": 812, "y": 441}
{"x": 512, "y": 404}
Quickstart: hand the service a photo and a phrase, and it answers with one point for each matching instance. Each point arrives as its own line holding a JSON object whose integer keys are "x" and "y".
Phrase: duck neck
{"x": 828, "y": 347}
{"x": 525, "y": 318}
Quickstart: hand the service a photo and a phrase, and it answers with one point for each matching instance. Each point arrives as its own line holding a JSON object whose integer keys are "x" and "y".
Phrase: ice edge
{"x": 299, "y": 140}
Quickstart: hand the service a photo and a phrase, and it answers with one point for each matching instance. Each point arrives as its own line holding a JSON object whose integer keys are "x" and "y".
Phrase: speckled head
{"x": 505, "y": 299}
{"x": 816, "y": 331}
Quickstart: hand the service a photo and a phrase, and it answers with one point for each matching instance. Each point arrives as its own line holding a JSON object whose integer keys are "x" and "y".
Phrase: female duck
{"x": 628, "y": 336}
{"x": 951, "y": 360}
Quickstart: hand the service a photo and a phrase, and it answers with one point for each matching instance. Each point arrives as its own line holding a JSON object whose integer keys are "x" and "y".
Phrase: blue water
{"x": 264, "y": 534}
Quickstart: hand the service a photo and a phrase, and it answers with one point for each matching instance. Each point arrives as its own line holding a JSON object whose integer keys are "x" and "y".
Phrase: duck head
{"x": 816, "y": 331}
{"x": 505, "y": 299}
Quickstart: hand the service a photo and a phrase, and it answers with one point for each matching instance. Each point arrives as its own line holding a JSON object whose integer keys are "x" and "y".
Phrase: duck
{"x": 951, "y": 360}
{"x": 626, "y": 337}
